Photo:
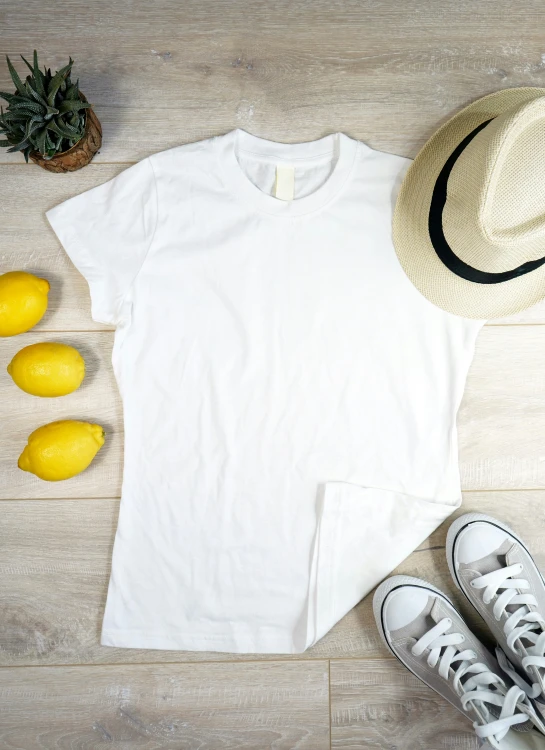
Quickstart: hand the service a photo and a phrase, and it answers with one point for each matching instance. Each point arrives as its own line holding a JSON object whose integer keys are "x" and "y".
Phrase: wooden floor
{"x": 160, "y": 74}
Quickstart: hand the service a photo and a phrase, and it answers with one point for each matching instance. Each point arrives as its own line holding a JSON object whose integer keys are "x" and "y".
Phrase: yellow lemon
{"x": 23, "y": 302}
{"x": 47, "y": 369}
{"x": 60, "y": 450}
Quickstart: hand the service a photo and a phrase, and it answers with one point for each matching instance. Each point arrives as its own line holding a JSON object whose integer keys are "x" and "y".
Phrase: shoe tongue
{"x": 438, "y": 611}
{"x": 417, "y": 627}
{"x": 511, "y": 556}
{"x": 494, "y": 561}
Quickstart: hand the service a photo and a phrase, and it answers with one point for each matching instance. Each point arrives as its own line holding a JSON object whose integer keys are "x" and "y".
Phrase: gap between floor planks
{"x": 273, "y": 660}
{"x": 118, "y": 498}
{"x": 66, "y": 331}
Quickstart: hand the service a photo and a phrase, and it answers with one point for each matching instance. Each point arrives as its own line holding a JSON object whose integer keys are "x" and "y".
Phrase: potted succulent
{"x": 49, "y": 119}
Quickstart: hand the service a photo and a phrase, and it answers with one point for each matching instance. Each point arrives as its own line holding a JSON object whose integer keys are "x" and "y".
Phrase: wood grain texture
{"x": 379, "y": 704}
{"x": 384, "y": 72}
{"x": 55, "y": 562}
{"x": 167, "y": 707}
{"x": 31, "y": 245}
{"x": 501, "y": 418}
{"x": 161, "y": 74}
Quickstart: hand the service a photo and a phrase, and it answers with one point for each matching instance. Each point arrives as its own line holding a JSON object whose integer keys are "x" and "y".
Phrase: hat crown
{"x": 496, "y": 190}
{"x": 468, "y": 220}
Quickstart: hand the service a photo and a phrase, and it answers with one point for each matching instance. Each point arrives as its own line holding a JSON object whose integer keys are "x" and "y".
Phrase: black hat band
{"x": 437, "y": 236}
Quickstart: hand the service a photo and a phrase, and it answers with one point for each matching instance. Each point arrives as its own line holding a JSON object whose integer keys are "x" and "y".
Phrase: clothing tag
{"x": 284, "y": 185}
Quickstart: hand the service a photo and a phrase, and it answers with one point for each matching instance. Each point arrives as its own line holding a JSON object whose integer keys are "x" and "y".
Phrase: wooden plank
{"x": 501, "y": 419}
{"x": 295, "y": 72}
{"x": 380, "y": 704}
{"x": 167, "y": 707}
{"x": 29, "y": 244}
{"x": 55, "y": 562}
{"x": 386, "y": 73}
{"x": 502, "y": 416}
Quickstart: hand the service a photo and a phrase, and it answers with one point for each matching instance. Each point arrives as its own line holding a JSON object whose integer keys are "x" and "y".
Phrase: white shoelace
{"x": 521, "y": 623}
{"x": 477, "y": 688}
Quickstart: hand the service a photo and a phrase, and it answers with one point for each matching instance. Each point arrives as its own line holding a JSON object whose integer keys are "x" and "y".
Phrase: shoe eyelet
{"x": 472, "y": 584}
{"x": 463, "y": 637}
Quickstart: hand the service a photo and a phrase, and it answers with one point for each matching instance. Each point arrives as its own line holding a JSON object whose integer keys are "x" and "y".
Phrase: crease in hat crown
{"x": 494, "y": 215}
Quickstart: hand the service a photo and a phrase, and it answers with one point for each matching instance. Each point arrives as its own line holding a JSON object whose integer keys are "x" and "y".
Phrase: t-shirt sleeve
{"x": 107, "y": 232}
{"x": 399, "y": 166}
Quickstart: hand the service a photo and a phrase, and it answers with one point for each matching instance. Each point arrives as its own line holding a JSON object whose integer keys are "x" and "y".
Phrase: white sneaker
{"x": 425, "y": 632}
{"x": 498, "y": 575}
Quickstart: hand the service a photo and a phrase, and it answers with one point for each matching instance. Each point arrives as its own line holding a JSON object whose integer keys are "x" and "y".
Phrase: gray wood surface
{"x": 379, "y": 704}
{"x": 55, "y": 561}
{"x": 206, "y": 706}
{"x": 165, "y": 73}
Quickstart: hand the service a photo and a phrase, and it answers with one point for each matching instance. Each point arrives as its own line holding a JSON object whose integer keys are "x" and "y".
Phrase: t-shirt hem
{"x": 256, "y": 644}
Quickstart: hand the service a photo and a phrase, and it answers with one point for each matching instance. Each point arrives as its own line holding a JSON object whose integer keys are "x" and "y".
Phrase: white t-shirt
{"x": 289, "y": 397}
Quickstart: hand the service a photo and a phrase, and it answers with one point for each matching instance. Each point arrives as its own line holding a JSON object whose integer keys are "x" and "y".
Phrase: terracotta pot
{"x": 81, "y": 152}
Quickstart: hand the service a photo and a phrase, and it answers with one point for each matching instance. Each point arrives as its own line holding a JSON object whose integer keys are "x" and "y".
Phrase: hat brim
{"x": 410, "y": 224}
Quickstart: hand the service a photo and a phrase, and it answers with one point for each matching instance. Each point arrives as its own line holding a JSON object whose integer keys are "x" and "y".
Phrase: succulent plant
{"x": 45, "y": 114}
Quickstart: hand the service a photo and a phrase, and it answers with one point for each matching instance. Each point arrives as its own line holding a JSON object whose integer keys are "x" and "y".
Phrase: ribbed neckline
{"x": 335, "y": 145}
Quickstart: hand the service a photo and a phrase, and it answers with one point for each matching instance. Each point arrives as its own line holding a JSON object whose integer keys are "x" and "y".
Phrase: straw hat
{"x": 469, "y": 222}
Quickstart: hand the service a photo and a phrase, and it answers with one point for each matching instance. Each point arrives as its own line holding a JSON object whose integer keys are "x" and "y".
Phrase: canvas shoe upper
{"x": 426, "y": 633}
{"x": 498, "y": 575}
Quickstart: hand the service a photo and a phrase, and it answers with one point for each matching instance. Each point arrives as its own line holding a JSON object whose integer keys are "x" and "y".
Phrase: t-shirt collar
{"x": 335, "y": 145}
